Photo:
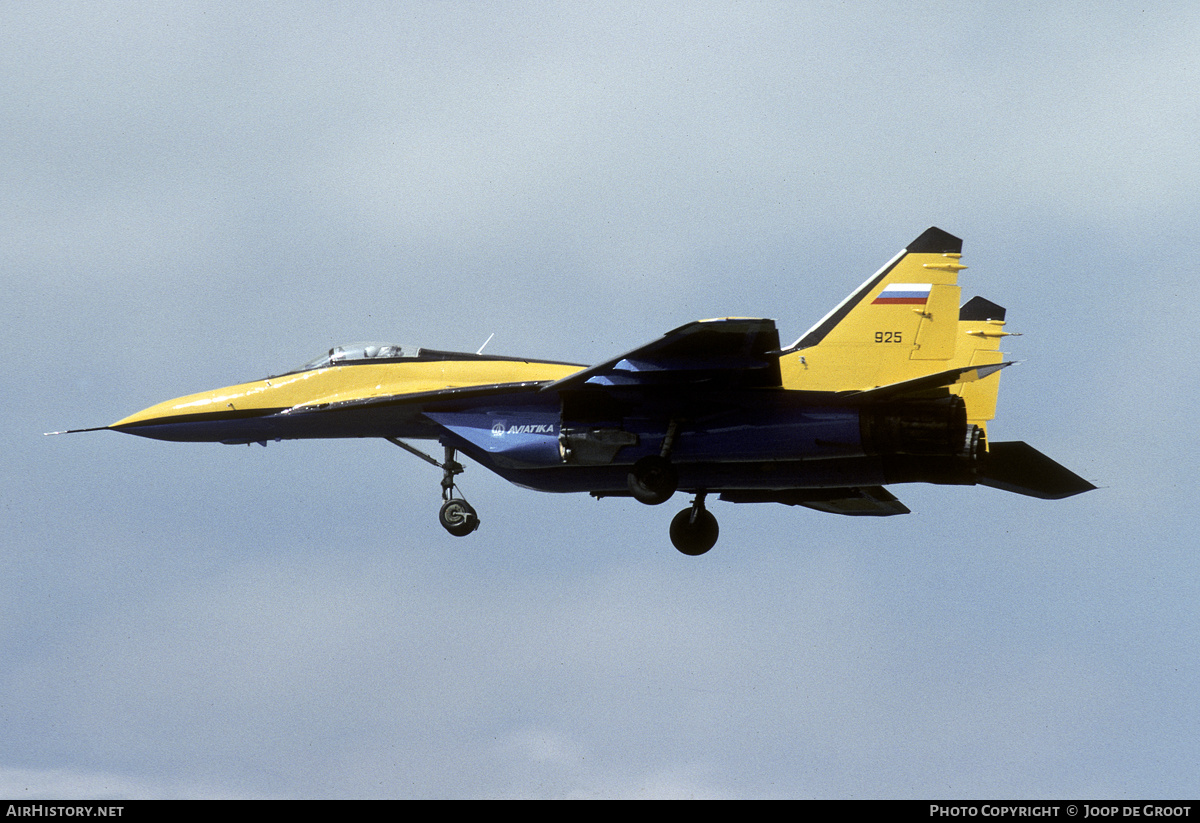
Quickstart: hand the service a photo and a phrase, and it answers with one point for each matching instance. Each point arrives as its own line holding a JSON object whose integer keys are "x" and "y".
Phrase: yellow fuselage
{"x": 216, "y": 414}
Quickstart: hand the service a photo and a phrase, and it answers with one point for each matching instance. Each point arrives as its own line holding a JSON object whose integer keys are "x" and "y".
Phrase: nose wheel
{"x": 694, "y": 530}
{"x": 458, "y": 518}
{"x": 456, "y": 514}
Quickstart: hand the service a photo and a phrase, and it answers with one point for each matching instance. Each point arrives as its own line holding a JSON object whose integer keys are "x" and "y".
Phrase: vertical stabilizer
{"x": 980, "y": 330}
{"x": 900, "y": 324}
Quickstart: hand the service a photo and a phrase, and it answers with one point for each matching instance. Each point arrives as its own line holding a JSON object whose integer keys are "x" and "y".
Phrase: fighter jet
{"x": 896, "y": 384}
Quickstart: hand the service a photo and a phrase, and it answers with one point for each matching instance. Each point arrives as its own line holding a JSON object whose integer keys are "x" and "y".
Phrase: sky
{"x": 199, "y": 194}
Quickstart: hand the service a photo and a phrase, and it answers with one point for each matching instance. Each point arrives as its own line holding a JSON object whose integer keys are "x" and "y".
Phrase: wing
{"x": 731, "y": 352}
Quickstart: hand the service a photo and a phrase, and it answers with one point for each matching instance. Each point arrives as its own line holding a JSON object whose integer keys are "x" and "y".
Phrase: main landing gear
{"x": 694, "y": 530}
{"x": 652, "y": 479}
{"x": 456, "y": 515}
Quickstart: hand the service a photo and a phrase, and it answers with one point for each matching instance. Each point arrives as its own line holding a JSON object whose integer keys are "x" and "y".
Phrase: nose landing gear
{"x": 456, "y": 515}
{"x": 694, "y": 530}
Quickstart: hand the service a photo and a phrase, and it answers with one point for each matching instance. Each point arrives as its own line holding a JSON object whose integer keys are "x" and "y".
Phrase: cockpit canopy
{"x": 360, "y": 351}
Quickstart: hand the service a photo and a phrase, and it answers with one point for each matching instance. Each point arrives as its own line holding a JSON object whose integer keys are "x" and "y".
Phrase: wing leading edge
{"x": 729, "y": 352}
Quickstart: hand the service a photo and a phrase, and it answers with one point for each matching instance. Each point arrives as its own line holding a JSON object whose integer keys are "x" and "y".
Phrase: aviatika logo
{"x": 499, "y": 429}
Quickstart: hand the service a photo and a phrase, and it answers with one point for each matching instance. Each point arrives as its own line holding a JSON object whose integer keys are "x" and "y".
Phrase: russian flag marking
{"x": 902, "y": 294}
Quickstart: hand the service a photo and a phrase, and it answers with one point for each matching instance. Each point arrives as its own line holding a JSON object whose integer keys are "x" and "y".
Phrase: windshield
{"x": 360, "y": 351}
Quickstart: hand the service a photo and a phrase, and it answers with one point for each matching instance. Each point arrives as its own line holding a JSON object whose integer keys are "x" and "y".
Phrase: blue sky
{"x": 201, "y": 194}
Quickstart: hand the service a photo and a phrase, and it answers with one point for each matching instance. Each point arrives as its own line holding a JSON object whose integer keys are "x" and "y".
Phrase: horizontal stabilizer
{"x": 966, "y": 374}
{"x": 1019, "y": 467}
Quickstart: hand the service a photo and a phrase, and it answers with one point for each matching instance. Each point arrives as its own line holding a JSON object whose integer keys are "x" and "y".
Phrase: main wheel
{"x": 458, "y": 518}
{"x": 694, "y": 531}
{"x": 653, "y": 480}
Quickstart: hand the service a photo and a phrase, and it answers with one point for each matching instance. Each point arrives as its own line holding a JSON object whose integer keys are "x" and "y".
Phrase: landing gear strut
{"x": 456, "y": 515}
{"x": 694, "y": 531}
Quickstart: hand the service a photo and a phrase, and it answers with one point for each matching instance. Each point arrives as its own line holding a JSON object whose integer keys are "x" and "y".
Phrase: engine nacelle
{"x": 920, "y": 427}
{"x": 925, "y": 441}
